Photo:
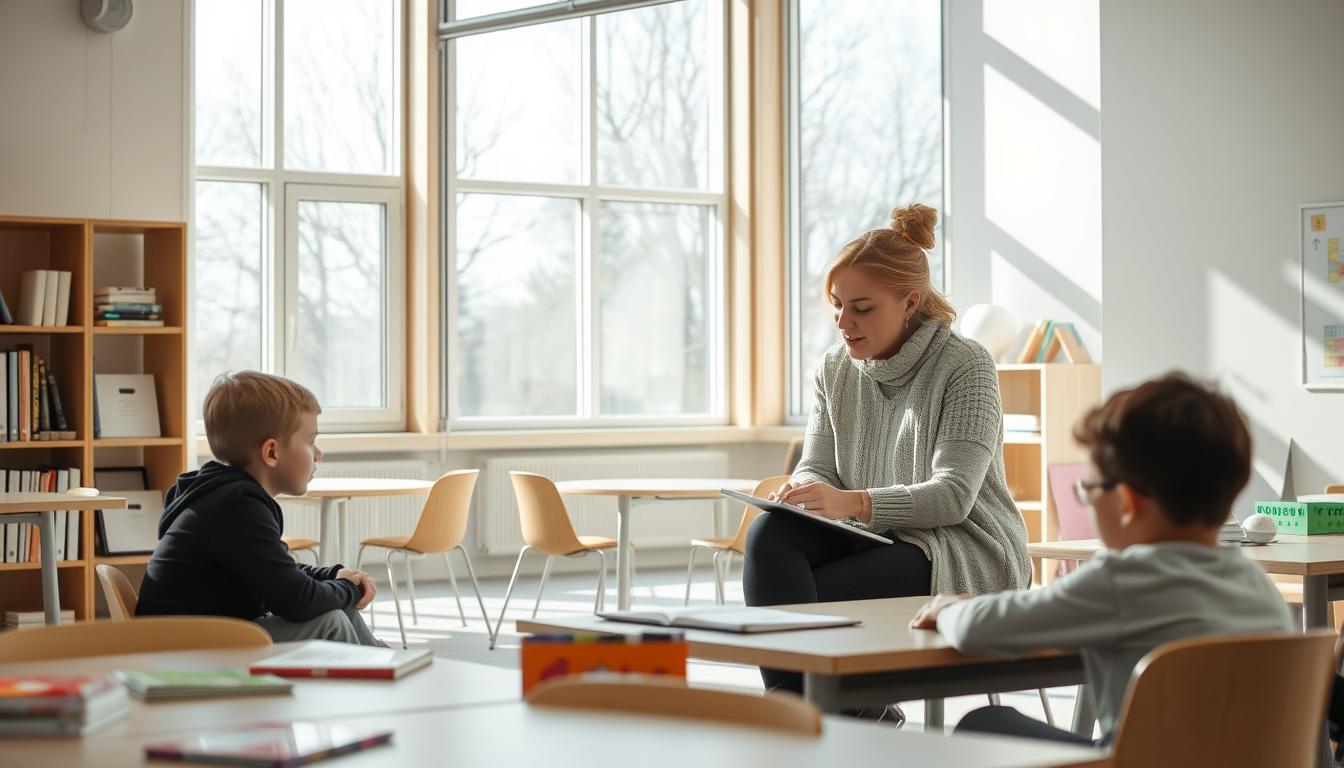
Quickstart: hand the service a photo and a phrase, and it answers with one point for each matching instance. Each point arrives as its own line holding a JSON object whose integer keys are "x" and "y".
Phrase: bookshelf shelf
{"x": 96, "y": 253}
{"x": 1021, "y": 438}
{"x": 100, "y": 330}
{"x": 38, "y": 329}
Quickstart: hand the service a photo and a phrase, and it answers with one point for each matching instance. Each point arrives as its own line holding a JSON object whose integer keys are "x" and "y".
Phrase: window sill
{"x": 489, "y": 440}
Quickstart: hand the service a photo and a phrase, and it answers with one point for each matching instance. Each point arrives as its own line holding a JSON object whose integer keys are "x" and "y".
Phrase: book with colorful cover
{"x": 51, "y": 705}
{"x": 155, "y": 685}
{"x": 272, "y": 745}
{"x": 321, "y": 658}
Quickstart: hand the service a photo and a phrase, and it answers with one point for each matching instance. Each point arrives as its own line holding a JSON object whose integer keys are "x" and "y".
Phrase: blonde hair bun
{"x": 915, "y": 223}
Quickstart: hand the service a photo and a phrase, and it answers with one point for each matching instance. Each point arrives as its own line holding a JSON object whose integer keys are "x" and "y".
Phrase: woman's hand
{"x": 927, "y": 617}
{"x": 827, "y": 500}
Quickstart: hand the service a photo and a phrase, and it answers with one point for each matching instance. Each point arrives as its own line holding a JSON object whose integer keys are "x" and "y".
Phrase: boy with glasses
{"x": 1168, "y": 459}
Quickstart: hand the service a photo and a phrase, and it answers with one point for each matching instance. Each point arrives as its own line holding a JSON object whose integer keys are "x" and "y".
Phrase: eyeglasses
{"x": 1082, "y": 489}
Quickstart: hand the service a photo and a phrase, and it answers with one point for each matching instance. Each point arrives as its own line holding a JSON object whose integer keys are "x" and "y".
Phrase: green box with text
{"x": 1307, "y": 516}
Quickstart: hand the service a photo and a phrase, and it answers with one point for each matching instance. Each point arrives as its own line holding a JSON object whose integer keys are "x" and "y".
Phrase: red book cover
{"x": 48, "y": 695}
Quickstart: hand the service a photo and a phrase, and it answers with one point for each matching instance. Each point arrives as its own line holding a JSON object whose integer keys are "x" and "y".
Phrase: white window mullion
{"x": 277, "y": 326}
{"x": 448, "y": 229}
{"x": 591, "y": 342}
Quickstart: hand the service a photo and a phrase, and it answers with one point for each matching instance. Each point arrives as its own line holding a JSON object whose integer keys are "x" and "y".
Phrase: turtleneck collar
{"x": 900, "y": 368}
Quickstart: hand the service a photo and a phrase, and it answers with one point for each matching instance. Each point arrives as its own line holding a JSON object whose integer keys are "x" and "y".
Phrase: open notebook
{"x": 730, "y": 619}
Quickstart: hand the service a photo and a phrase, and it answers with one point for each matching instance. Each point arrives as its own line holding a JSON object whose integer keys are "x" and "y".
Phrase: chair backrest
{"x": 120, "y": 594}
{"x": 671, "y": 697}
{"x": 1075, "y": 519}
{"x": 146, "y": 635}
{"x": 1217, "y": 701}
{"x": 1335, "y": 488}
{"x": 794, "y": 455}
{"x": 443, "y": 520}
{"x": 542, "y": 515}
{"x": 763, "y": 489}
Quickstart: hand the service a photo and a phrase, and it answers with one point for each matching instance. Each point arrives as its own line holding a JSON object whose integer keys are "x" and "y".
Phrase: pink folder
{"x": 1075, "y": 519}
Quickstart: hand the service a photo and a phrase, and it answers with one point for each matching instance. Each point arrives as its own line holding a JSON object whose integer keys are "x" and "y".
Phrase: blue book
{"x": 12, "y": 406}
{"x": 1045, "y": 341}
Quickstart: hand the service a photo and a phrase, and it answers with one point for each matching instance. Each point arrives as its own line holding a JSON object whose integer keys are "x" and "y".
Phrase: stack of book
{"x": 1049, "y": 339}
{"x": 19, "y": 541}
{"x": 30, "y": 619}
{"x": 44, "y": 299}
{"x": 59, "y": 706}
{"x": 30, "y": 399}
{"x": 121, "y": 307}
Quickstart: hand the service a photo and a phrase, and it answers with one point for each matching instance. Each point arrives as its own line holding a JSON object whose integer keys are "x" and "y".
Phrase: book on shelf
{"x": 128, "y": 316}
{"x": 59, "y": 705}
{"x": 730, "y": 619}
{"x": 126, "y": 306}
{"x": 124, "y": 295}
{"x": 320, "y": 658}
{"x": 128, "y": 323}
{"x": 271, "y": 745}
{"x": 12, "y": 393}
{"x": 27, "y": 619}
{"x": 53, "y": 285}
{"x": 1048, "y": 339}
{"x": 31, "y": 404}
{"x": 6, "y": 318}
{"x": 44, "y": 297}
{"x": 32, "y": 294}
{"x": 1021, "y": 422}
{"x": 62, "y": 314}
{"x": 126, "y": 405}
{"x": 19, "y": 542}
{"x": 162, "y": 684}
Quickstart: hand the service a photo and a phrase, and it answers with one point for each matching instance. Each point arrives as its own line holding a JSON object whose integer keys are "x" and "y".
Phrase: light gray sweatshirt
{"x": 922, "y": 431}
{"x": 1119, "y": 606}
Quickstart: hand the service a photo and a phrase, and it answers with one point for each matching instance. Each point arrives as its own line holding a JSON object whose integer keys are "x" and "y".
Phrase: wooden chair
{"x": 1335, "y": 488}
{"x": 297, "y": 544}
{"x": 441, "y": 528}
{"x": 1218, "y": 701}
{"x": 120, "y": 593}
{"x": 726, "y": 547}
{"x": 145, "y": 635}
{"x": 547, "y": 529}
{"x": 671, "y": 697}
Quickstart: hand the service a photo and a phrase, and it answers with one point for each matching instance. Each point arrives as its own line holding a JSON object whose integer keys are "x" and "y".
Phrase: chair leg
{"x": 359, "y": 566}
{"x": 410, "y": 582}
{"x": 474, "y": 585}
{"x": 600, "y": 604}
{"x": 633, "y": 571}
{"x": 452, "y": 579}
{"x": 690, "y": 571}
{"x": 718, "y": 578}
{"x": 392, "y": 582}
{"x": 995, "y": 699}
{"x": 1045, "y": 705}
{"x": 727, "y": 571}
{"x": 494, "y": 636}
{"x": 545, "y": 577}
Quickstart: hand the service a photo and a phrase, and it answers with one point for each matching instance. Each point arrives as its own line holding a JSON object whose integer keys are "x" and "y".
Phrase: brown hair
{"x": 895, "y": 256}
{"x": 244, "y": 409}
{"x": 1175, "y": 440}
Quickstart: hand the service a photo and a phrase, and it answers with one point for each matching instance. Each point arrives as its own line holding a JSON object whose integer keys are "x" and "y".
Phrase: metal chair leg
{"x": 474, "y": 585}
{"x": 690, "y": 570}
{"x": 718, "y": 578}
{"x": 545, "y": 576}
{"x": 392, "y": 582}
{"x": 995, "y": 699}
{"x": 359, "y": 566}
{"x": 452, "y": 579}
{"x": 494, "y": 636}
{"x": 410, "y": 582}
{"x": 1045, "y": 705}
{"x": 600, "y": 603}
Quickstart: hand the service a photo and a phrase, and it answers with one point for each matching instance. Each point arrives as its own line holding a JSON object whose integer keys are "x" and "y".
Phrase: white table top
{"x": 1288, "y": 555}
{"x": 519, "y": 735}
{"x": 669, "y": 487}
{"x": 23, "y": 503}
{"x": 349, "y": 487}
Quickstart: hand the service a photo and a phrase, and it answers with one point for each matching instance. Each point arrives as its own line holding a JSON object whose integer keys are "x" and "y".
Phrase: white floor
{"x": 440, "y": 628}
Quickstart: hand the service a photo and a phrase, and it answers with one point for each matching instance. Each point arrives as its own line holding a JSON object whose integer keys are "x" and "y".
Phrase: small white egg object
{"x": 82, "y": 491}
{"x": 1259, "y": 528}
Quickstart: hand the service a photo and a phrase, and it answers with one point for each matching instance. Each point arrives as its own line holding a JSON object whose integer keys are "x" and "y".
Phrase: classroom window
{"x": 297, "y": 220}
{"x": 865, "y": 136}
{"x": 585, "y": 219}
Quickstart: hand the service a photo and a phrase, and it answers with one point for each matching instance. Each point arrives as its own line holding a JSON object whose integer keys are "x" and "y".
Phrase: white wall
{"x": 91, "y": 124}
{"x": 1023, "y": 95}
{"x": 1222, "y": 116}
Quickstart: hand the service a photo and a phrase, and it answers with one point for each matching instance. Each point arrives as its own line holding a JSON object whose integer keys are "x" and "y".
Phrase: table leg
{"x": 326, "y": 546}
{"x": 722, "y": 509}
{"x": 343, "y": 526}
{"x": 623, "y": 552}
{"x": 822, "y": 691}
{"x": 1315, "y": 602}
{"x": 51, "y": 593}
{"x": 933, "y": 716}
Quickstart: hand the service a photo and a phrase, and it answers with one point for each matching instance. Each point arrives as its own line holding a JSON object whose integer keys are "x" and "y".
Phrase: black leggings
{"x": 791, "y": 559}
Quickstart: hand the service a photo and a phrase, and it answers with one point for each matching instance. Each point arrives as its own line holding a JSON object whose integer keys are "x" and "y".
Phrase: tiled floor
{"x": 440, "y": 628}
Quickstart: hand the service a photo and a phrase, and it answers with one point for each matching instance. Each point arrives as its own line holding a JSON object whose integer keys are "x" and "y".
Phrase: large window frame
{"x": 281, "y": 189}
{"x": 797, "y": 382}
{"x": 590, "y": 195}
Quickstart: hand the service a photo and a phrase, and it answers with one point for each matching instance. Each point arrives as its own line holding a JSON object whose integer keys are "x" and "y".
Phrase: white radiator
{"x": 367, "y": 517}
{"x": 671, "y": 523}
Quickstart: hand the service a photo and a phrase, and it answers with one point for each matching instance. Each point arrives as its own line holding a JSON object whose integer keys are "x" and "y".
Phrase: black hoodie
{"x": 220, "y": 554}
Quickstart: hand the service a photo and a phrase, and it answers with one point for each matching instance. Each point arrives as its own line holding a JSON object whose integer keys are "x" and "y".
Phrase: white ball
{"x": 992, "y": 326}
{"x": 1259, "y": 523}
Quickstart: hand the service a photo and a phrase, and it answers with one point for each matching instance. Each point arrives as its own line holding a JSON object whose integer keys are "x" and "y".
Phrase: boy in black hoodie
{"x": 219, "y": 551}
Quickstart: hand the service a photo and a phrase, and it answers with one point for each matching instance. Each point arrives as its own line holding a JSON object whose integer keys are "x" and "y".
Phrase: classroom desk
{"x": 877, "y": 662}
{"x": 1315, "y": 558}
{"x": 40, "y": 509}
{"x": 516, "y": 734}
{"x": 443, "y": 684}
{"x": 627, "y": 491}
{"x": 335, "y": 493}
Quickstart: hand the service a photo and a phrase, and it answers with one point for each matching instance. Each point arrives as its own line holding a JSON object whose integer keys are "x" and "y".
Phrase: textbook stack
{"x": 120, "y": 307}
{"x": 44, "y": 298}
{"x": 59, "y": 706}
{"x": 30, "y": 619}
{"x": 1049, "y": 339}
{"x": 19, "y": 542}
{"x": 30, "y": 399}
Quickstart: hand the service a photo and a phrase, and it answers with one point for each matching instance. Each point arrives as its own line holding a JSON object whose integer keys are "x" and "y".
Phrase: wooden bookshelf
{"x": 1058, "y": 394}
{"x": 97, "y": 252}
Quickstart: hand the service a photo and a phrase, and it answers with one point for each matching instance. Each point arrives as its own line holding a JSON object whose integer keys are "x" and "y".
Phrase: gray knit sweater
{"x": 922, "y": 431}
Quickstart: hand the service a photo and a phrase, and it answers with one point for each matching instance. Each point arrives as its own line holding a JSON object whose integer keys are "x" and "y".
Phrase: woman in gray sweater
{"x": 905, "y": 435}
